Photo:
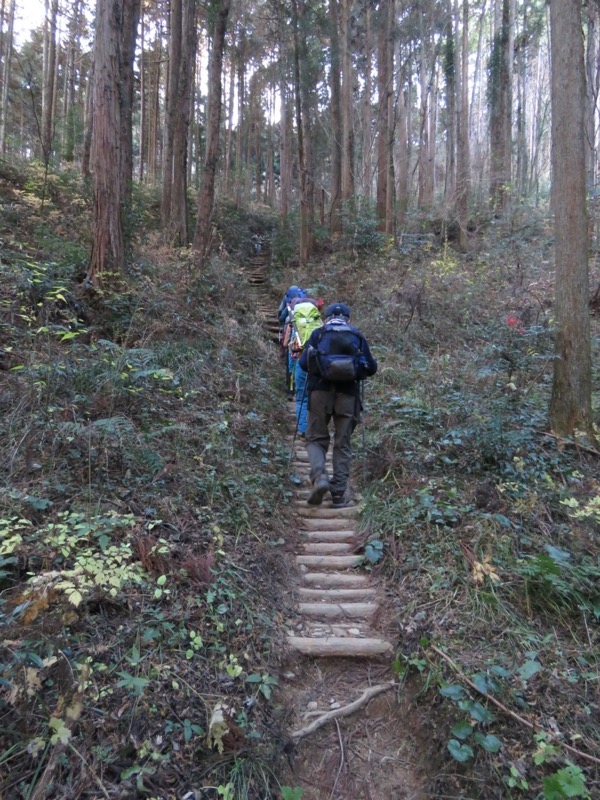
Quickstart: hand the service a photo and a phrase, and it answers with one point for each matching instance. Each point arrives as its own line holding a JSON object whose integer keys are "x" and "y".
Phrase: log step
{"x": 338, "y": 611}
{"x": 340, "y": 646}
{"x": 325, "y": 512}
{"x": 330, "y": 524}
{"x": 326, "y": 548}
{"x": 335, "y": 595}
{"x": 328, "y": 536}
{"x": 329, "y": 562}
{"x": 335, "y": 580}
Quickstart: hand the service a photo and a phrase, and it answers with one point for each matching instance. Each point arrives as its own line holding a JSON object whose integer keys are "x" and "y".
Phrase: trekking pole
{"x": 298, "y": 421}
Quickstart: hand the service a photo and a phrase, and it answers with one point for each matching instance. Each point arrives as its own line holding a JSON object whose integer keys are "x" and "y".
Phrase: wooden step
{"x": 338, "y": 611}
{"x": 328, "y": 524}
{"x": 326, "y": 548}
{"x": 336, "y": 580}
{"x": 323, "y": 512}
{"x": 329, "y": 536}
{"x": 340, "y": 646}
{"x": 335, "y": 595}
{"x": 329, "y": 562}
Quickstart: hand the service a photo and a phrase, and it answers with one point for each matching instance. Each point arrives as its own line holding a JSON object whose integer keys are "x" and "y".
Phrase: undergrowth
{"x": 140, "y": 540}
{"x": 142, "y": 514}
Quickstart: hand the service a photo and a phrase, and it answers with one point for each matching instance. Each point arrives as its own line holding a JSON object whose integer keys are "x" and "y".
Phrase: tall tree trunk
{"x": 129, "y": 24}
{"x": 183, "y": 28}
{"x": 500, "y": 89}
{"x": 425, "y": 196}
{"x": 570, "y": 404}
{"x": 303, "y": 132}
{"x": 285, "y": 143}
{"x": 384, "y": 97}
{"x": 86, "y": 155}
{"x": 108, "y": 249}
{"x": 49, "y": 78}
{"x": 336, "y": 120}
{"x": 6, "y": 74}
{"x": 367, "y": 140}
{"x": 463, "y": 155}
{"x": 69, "y": 93}
{"x": 591, "y": 67}
{"x": 452, "y": 88}
{"x": 143, "y": 98}
{"x": 229, "y": 140}
{"x": 171, "y": 111}
{"x": 206, "y": 197}
{"x": 402, "y": 152}
{"x": 347, "y": 180}
{"x": 241, "y": 87}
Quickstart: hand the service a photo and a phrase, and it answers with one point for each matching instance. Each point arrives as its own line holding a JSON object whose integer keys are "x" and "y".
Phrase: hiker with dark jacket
{"x": 337, "y": 358}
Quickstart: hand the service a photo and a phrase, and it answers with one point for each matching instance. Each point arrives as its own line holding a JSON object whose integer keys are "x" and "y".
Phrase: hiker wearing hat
{"x": 337, "y": 358}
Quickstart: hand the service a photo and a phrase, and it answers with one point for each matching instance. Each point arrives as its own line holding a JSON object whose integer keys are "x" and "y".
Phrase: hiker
{"x": 285, "y": 330}
{"x": 337, "y": 358}
{"x": 284, "y": 307}
{"x": 305, "y": 318}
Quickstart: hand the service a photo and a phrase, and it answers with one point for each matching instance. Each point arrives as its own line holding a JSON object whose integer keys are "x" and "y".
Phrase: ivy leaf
{"x": 266, "y": 690}
{"x": 453, "y": 691}
{"x": 460, "y": 752}
{"x": 529, "y": 669}
{"x": 481, "y": 713}
{"x": 481, "y": 682}
{"x": 374, "y": 551}
{"x": 462, "y": 730}
{"x": 489, "y": 742}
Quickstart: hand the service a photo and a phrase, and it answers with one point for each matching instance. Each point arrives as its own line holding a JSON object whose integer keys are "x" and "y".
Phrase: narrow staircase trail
{"x": 353, "y": 737}
{"x": 338, "y": 605}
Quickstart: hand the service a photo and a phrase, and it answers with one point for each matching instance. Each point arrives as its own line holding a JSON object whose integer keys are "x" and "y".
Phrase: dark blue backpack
{"x": 292, "y": 293}
{"x": 338, "y": 353}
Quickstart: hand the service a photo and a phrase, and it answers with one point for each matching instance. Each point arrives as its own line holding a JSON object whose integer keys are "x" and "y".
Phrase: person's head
{"x": 320, "y": 303}
{"x": 337, "y": 310}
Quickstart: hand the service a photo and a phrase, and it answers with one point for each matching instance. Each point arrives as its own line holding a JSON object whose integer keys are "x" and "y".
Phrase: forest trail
{"x": 353, "y": 736}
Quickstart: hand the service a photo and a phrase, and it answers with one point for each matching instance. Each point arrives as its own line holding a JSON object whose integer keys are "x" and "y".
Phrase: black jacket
{"x": 368, "y": 365}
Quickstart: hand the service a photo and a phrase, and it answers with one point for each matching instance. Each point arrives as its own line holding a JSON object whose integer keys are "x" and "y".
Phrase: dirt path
{"x": 354, "y": 735}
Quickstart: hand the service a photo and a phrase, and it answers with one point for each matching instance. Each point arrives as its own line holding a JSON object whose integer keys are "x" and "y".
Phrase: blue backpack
{"x": 292, "y": 293}
{"x": 338, "y": 353}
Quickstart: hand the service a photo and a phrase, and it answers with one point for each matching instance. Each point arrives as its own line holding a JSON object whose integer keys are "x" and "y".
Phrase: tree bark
{"x": 336, "y": 120}
{"x": 463, "y": 154}
{"x": 49, "y": 78}
{"x": 347, "y": 180}
{"x": 6, "y": 75}
{"x": 570, "y": 404}
{"x": 501, "y": 109}
{"x": 181, "y": 65}
{"x": 206, "y": 197}
{"x": 108, "y": 249}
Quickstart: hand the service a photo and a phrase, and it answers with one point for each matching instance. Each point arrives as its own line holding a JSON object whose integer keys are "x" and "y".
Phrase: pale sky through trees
{"x": 30, "y": 15}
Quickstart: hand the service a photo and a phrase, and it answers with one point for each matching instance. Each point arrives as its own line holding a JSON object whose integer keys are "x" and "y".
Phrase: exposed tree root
{"x": 344, "y": 711}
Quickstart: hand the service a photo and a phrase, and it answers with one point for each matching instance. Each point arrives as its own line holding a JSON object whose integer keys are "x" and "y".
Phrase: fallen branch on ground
{"x": 344, "y": 711}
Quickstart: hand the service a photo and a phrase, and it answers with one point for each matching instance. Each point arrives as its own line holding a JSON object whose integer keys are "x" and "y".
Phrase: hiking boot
{"x": 319, "y": 490}
{"x": 339, "y": 501}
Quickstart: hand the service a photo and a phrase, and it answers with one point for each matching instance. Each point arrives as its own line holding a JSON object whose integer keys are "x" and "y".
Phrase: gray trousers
{"x": 344, "y": 410}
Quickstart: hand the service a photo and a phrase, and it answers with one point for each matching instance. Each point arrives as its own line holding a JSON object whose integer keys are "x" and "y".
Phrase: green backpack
{"x": 306, "y": 318}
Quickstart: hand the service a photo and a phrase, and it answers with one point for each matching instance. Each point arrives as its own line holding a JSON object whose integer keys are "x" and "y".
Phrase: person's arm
{"x": 368, "y": 365}
{"x": 313, "y": 341}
